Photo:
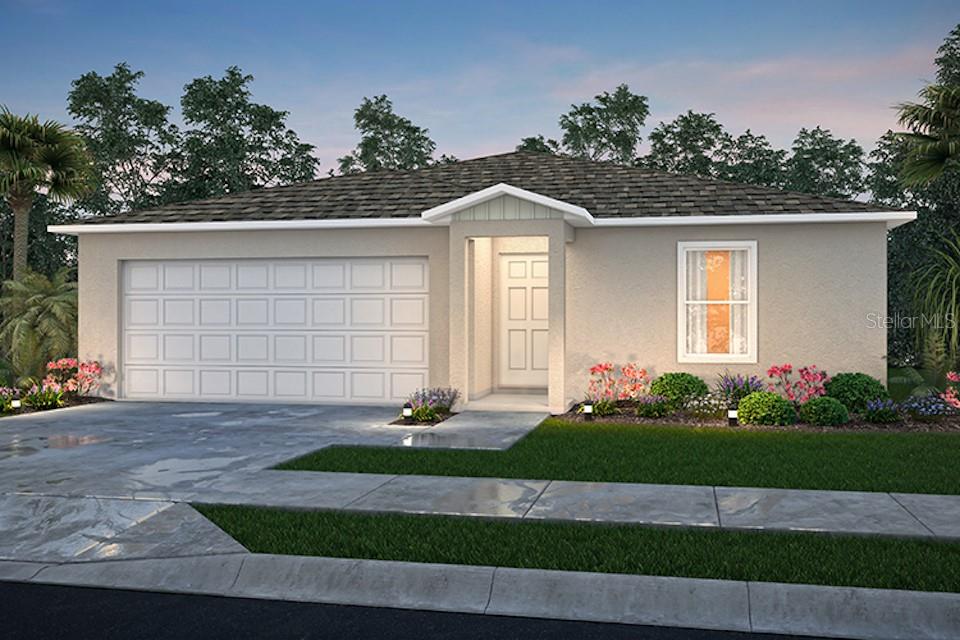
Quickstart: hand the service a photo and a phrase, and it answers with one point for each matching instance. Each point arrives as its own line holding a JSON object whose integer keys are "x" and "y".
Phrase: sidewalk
{"x": 734, "y": 508}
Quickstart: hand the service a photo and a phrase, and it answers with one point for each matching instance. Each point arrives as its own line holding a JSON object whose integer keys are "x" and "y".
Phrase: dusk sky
{"x": 482, "y": 75}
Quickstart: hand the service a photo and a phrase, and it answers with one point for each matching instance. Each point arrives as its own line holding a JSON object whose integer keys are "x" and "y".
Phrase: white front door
{"x": 523, "y": 320}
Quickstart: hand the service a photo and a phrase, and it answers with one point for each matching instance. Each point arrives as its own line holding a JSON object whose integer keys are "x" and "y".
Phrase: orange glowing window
{"x": 717, "y": 315}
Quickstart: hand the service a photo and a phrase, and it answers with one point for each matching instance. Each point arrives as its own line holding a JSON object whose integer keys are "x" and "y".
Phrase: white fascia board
{"x": 575, "y": 217}
{"x": 573, "y": 214}
{"x": 251, "y": 225}
{"x": 892, "y": 218}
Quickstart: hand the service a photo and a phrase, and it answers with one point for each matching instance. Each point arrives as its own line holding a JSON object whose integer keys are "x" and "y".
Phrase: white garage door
{"x": 319, "y": 330}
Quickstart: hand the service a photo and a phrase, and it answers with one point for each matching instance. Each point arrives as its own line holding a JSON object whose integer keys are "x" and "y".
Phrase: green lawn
{"x": 774, "y": 557}
{"x": 558, "y": 450}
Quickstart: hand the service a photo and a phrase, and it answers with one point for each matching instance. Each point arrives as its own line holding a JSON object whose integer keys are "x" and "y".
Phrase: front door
{"x": 523, "y": 321}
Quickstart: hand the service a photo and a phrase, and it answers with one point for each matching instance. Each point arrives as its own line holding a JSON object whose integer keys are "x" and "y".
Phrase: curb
{"x": 843, "y": 612}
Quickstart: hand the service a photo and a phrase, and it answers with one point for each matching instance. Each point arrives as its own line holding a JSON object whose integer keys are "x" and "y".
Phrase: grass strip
{"x": 558, "y": 450}
{"x": 805, "y": 558}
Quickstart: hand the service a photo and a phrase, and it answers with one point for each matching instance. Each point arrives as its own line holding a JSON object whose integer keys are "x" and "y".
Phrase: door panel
{"x": 523, "y": 321}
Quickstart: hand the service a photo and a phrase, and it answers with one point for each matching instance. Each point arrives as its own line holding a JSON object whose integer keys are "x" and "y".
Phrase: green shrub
{"x": 652, "y": 406}
{"x": 679, "y": 388}
{"x": 855, "y": 390}
{"x": 765, "y": 408}
{"x": 824, "y": 412}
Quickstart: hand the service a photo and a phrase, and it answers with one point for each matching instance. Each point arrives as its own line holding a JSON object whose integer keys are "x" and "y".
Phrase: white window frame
{"x": 752, "y": 302}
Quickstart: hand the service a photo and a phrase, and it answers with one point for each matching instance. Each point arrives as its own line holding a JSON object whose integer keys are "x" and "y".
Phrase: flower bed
{"x": 427, "y": 407}
{"x": 69, "y": 382}
{"x": 814, "y": 401}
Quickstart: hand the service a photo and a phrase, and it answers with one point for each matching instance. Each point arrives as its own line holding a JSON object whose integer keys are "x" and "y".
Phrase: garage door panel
{"x": 330, "y": 276}
{"x": 216, "y": 277}
{"x": 253, "y": 312}
{"x": 328, "y": 330}
{"x": 215, "y": 347}
{"x": 142, "y": 312}
{"x": 178, "y": 277}
{"x": 216, "y": 383}
{"x": 216, "y": 312}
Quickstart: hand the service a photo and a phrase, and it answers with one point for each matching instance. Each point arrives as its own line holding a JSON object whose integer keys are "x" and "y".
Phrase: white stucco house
{"x": 506, "y": 276}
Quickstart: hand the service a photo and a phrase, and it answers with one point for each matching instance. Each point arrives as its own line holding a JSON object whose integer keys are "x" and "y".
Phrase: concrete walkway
{"x": 844, "y": 512}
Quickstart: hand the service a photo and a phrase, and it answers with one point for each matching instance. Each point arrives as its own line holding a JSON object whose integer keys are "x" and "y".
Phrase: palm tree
{"x": 40, "y": 320}
{"x": 934, "y": 136}
{"x": 38, "y": 157}
{"x": 937, "y": 298}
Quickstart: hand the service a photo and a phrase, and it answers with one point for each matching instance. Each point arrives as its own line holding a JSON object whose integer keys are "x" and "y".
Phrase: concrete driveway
{"x": 111, "y": 480}
{"x": 168, "y": 450}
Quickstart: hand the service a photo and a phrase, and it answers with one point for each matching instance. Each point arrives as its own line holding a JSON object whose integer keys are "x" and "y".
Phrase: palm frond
{"x": 40, "y": 320}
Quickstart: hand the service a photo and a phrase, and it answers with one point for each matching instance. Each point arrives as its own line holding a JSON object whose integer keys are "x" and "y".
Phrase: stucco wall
{"x": 613, "y": 290}
{"x": 101, "y": 256}
{"x": 816, "y": 286}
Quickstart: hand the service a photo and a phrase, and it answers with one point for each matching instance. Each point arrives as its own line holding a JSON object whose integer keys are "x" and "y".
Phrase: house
{"x": 500, "y": 275}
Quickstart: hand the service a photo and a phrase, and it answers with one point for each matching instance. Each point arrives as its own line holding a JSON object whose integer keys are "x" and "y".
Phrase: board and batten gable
{"x": 819, "y": 285}
{"x": 507, "y": 208}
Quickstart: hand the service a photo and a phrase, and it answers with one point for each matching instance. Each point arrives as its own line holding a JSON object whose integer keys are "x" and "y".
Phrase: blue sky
{"x": 481, "y": 75}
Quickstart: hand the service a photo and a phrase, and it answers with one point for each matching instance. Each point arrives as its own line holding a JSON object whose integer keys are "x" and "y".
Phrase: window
{"x": 717, "y": 294}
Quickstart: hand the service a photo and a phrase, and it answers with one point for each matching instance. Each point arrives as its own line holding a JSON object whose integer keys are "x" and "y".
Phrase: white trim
{"x": 892, "y": 218}
{"x": 750, "y": 357}
{"x": 573, "y": 214}
{"x": 251, "y": 225}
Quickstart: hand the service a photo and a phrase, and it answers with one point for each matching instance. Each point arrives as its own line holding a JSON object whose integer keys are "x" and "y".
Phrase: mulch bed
{"x": 69, "y": 402}
{"x": 409, "y": 422}
{"x": 627, "y": 416}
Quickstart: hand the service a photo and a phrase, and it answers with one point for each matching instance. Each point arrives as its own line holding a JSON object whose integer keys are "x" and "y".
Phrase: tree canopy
{"x": 130, "y": 138}
{"x": 228, "y": 143}
{"x": 387, "y": 140}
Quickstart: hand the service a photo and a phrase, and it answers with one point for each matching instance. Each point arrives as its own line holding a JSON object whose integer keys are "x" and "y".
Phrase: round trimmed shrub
{"x": 855, "y": 390}
{"x": 679, "y": 388}
{"x": 765, "y": 408}
{"x": 824, "y": 412}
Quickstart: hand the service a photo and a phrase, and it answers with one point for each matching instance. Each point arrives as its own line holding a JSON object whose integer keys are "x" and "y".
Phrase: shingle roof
{"x": 605, "y": 189}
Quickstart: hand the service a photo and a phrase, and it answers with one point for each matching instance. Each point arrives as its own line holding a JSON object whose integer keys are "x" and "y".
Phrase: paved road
{"x": 34, "y": 612}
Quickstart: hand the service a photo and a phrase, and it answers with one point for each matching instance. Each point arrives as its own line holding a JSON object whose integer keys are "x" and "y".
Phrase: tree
{"x": 129, "y": 137}
{"x": 689, "y": 144}
{"x": 948, "y": 58}
{"x": 233, "y": 144}
{"x": 824, "y": 165}
{"x": 48, "y": 251}
{"x": 750, "y": 159}
{"x": 40, "y": 320}
{"x": 387, "y": 140}
{"x": 539, "y": 144}
{"x": 608, "y": 129}
{"x": 36, "y": 157}
{"x": 934, "y": 136}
